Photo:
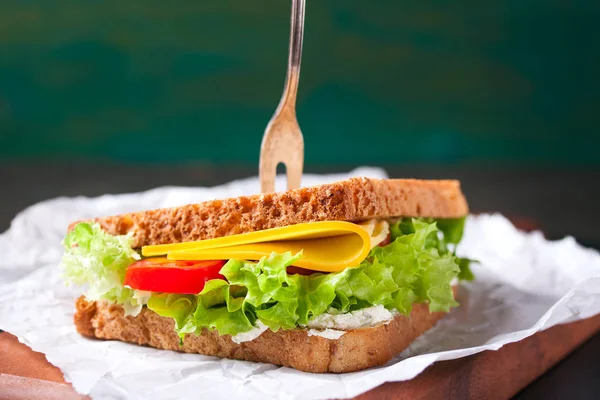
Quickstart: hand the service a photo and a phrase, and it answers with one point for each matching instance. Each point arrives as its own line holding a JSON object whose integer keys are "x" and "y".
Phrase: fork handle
{"x": 295, "y": 56}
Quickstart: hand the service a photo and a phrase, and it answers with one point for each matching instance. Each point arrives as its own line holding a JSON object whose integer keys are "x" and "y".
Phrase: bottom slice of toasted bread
{"x": 355, "y": 350}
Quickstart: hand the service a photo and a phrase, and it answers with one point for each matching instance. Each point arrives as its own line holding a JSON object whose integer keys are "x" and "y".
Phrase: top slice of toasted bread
{"x": 353, "y": 199}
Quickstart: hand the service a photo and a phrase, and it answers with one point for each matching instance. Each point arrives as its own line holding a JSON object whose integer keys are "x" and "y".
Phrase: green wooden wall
{"x": 388, "y": 81}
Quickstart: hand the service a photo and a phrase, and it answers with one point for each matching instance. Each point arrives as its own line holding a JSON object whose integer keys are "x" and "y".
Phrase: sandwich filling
{"x": 326, "y": 276}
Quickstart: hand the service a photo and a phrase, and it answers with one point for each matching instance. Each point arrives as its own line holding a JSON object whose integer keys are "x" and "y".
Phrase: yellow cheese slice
{"x": 327, "y": 246}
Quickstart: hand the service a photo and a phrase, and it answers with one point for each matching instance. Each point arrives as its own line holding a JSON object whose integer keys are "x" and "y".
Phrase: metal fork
{"x": 282, "y": 141}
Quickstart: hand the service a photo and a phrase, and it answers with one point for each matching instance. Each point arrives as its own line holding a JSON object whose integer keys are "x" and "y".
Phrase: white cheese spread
{"x": 251, "y": 334}
{"x": 326, "y": 333}
{"x": 353, "y": 320}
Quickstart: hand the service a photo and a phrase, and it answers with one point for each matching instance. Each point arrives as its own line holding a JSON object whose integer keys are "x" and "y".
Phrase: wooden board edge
{"x": 23, "y": 388}
{"x": 504, "y": 372}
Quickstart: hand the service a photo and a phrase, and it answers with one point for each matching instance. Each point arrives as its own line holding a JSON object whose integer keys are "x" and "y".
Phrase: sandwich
{"x": 331, "y": 278}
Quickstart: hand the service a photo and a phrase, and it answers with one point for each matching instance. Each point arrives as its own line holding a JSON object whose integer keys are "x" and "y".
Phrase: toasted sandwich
{"x": 331, "y": 278}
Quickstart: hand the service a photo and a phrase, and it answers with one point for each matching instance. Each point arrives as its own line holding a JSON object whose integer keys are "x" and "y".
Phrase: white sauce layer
{"x": 353, "y": 320}
{"x": 251, "y": 334}
{"x": 326, "y": 333}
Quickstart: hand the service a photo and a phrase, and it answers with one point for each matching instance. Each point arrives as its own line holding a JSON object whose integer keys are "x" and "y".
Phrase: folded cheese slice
{"x": 327, "y": 246}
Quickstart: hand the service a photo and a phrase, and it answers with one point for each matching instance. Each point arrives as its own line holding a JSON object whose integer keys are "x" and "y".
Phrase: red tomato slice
{"x": 158, "y": 274}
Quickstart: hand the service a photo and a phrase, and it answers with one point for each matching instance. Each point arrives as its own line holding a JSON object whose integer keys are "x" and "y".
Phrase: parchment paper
{"x": 524, "y": 284}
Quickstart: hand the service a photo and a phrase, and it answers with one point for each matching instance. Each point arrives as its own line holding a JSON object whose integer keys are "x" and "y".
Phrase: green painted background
{"x": 387, "y": 81}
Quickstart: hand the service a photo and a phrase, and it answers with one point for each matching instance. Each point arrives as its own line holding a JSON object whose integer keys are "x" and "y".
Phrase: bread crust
{"x": 353, "y": 199}
{"x": 356, "y": 350}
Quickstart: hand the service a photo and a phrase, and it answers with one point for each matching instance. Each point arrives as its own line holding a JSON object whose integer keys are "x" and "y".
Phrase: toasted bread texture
{"x": 355, "y": 350}
{"x": 353, "y": 199}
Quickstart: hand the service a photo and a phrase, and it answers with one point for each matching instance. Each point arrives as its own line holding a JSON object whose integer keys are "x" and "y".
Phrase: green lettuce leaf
{"x": 465, "y": 273}
{"x": 451, "y": 234}
{"x": 269, "y": 294}
{"x": 99, "y": 260}
{"x": 416, "y": 267}
{"x": 176, "y": 306}
{"x": 229, "y": 318}
{"x": 452, "y": 229}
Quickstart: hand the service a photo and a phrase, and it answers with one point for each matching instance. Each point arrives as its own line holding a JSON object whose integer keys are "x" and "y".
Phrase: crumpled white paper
{"x": 524, "y": 284}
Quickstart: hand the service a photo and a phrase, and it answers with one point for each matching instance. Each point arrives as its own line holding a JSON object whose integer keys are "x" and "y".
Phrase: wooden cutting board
{"x": 25, "y": 374}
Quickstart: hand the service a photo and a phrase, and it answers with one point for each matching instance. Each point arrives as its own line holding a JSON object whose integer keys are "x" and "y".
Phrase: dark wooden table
{"x": 562, "y": 202}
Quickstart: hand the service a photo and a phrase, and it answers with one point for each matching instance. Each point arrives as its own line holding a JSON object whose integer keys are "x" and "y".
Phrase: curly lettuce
{"x": 416, "y": 267}
{"x": 99, "y": 260}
